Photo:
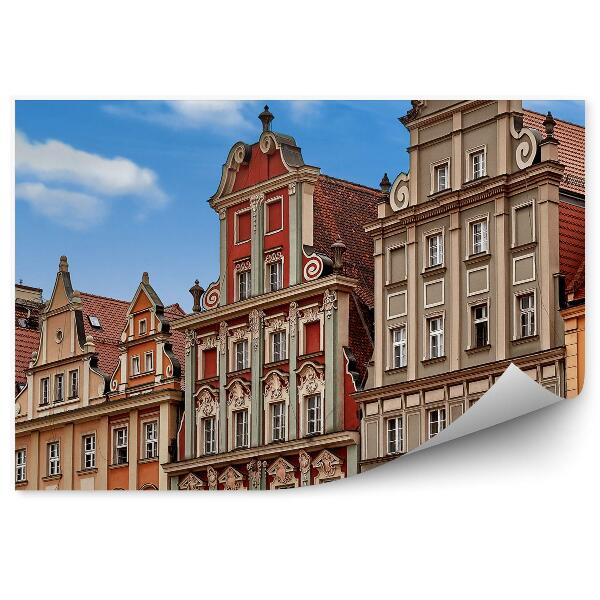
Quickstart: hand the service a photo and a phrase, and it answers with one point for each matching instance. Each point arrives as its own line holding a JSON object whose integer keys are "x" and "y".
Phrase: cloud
{"x": 74, "y": 188}
{"x": 74, "y": 210}
{"x": 224, "y": 115}
{"x": 300, "y": 110}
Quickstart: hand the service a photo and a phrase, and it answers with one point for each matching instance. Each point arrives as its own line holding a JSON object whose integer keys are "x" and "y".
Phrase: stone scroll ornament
{"x": 527, "y": 147}
{"x": 212, "y": 296}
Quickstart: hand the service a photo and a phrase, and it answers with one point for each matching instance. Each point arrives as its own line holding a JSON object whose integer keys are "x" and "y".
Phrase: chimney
{"x": 63, "y": 265}
{"x": 145, "y": 278}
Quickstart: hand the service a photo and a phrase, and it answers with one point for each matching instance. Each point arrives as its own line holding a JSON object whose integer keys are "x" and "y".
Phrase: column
{"x": 164, "y": 433}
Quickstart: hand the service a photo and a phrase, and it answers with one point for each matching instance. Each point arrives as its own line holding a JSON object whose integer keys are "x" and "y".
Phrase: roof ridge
{"x": 353, "y": 183}
{"x": 535, "y": 112}
{"x": 105, "y": 297}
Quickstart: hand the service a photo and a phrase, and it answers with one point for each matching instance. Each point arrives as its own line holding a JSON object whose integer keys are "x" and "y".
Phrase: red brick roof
{"x": 572, "y": 247}
{"x": 172, "y": 312}
{"x": 571, "y": 149}
{"x": 26, "y": 341}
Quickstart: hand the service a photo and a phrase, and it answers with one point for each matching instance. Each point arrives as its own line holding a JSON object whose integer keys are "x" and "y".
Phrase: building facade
{"x": 276, "y": 347}
{"x": 469, "y": 276}
{"x": 99, "y": 408}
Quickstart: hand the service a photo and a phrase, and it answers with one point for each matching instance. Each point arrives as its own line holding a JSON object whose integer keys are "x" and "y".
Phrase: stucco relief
{"x": 283, "y": 474}
{"x": 304, "y": 462}
{"x": 191, "y": 482}
{"x": 276, "y": 388}
{"x": 212, "y": 478}
{"x": 292, "y": 318}
{"x": 238, "y": 395}
{"x": 329, "y": 467}
{"x": 190, "y": 340}
{"x": 329, "y": 303}
{"x": 527, "y": 148}
{"x": 399, "y": 194}
{"x": 232, "y": 479}
{"x": 207, "y": 404}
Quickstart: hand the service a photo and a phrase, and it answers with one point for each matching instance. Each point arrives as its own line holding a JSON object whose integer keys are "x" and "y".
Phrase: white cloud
{"x": 300, "y": 110}
{"x": 225, "y": 115}
{"x": 74, "y": 210}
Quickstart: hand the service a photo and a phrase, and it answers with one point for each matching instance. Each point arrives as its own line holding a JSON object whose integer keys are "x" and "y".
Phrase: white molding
{"x": 469, "y": 308}
{"x": 469, "y": 238}
{"x": 402, "y": 293}
{"x": 425, "y": 242}
{"x": 266, "y": 215}
{"x": 516, "y": 312}
{"x": 236, "y": 242}
{"x": 468, "y": 163}
{"x": 433, "y": 282}
{"x": 433, "y": 315}
{"x": 487, "y": 278}
{"x": 523, "y": 257}
{"x": 388, "y": 262}
{"x": 513, "y": 220}
{"x": 432, "y": 168}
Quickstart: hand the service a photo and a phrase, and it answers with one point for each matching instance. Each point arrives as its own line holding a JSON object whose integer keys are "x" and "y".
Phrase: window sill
{"x": 527, "y": 246}
{"x": 439, "y": 193}
{"x": 431, "y": 361}
{"x": 276, "y": 363}
{"x": 143, "y": 461}
{"x": 394, "y": 370}
{"x": 475, "y": 259}
{"x": 432, "y": 271}
{"x": 309, "y": 435}
{"x": 240, "y": 371}
{"x": 525, "y": 340}
{"x": 119, "y": 466}
{"x": 57, "y": 404}
{"x": 474, "y": 182}
{"x": 144, "y": 373}
{"x": 311, "y": 355}
{"x": 19, "y": 484}
{"x": 52, "y": 477}
{"x": 477, "y": 349}
{"x": 396, "y": 284}
{"x": 91, "y": 471}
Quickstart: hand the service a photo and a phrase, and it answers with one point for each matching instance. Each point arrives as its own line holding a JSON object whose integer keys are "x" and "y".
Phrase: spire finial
{"x": 63, "y": 265}
{"x": 196, "y": 291}
{"x": 266, "y": 116}
{"x": 145, "y": 278}
{"x": 338, "y": 248}
{"x": 385, "y": 184}
{"x": 549, "y": 124}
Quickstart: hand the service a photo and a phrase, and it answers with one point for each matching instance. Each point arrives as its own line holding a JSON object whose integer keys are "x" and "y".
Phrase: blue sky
{"x": 121, "y": 187}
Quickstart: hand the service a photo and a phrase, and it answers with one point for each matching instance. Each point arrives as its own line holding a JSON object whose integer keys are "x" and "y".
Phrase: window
{"x": 480, "y": 326}
{"x": 275, "y": 275}
{"x": 94, "y": 321}
{"x": 313, "y": 420}
{"x": 527, "y": 314}
{"x": 21, "y": 465}
{"x": 149, "y": 361}
{"x": 135, "y": 365}
{"x": 120, "y": 446}
{"x": 142, "y": 327}
{"x": 435, "y": 250}
{"x": 479, "y": 237}
{"x": 441, "y": 177}
{"x": 244, "y": 285}
{"x": 394, "y": 435}
{"x": 437, "y": 421}
{"x": 89, "y": 451}
{"x": 209, "y": 435}
{"x": 399, "y": 347}
{"x": 53, "y": 458}
{"x": 151, "y": 439}
{"x": 44, "y": 391}
{"x": 477, "y": 164}
{"x": 241, "y": 429}
{"x": 59, "y": 387}
{"x": 436, "y": 337}
{"x": 241, "y": 355}
{"x": 278, "y": 421}
{"x": 278, "y": 346}
{"x": 73, "y": 384}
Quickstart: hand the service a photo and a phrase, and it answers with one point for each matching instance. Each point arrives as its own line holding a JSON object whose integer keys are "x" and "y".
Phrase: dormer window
{"x": 94, "y": 321}
{"x": 143, "y": 328}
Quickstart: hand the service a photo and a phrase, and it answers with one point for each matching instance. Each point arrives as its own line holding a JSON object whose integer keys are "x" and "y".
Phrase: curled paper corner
{"x": 514, "y": 394}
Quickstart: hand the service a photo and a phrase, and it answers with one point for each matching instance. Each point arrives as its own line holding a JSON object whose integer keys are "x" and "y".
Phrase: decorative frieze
{"x": 191, "y": 482}
{"x": 208, "y": 343}
{"x": 231, "y": 479}
{"x": 329, "y": 467}
{"x": 255, "y": 202}
{"x": 329, "y": 303}
{"x": 292, "y": 188}
{"x": 255, "y": 471}
{"x": 190, "y": 340}
{"x": 304, "y": 462}
{"x": 255, "y": 319}
{"x": 238, "y": 395}
{"x": 283, "y": 474}
{"x": 223, "y": 337}
{"x": 212, "y": 478}
{"x": 242, "y": 266}
{"x": 273, "y": 257}
{"x": 276, "y": 388}
{"x": 292, "y": 318}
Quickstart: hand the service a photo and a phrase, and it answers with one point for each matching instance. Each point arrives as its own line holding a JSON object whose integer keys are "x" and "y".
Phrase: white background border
{"x": 511, "y": 512}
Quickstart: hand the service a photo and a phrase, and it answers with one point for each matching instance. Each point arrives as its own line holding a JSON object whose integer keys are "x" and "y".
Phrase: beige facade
{"x": 467, "y": 271}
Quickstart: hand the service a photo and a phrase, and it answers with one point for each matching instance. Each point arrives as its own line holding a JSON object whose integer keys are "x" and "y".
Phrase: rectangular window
{"x": 89, "y": 451}
{"x": 441, "y": 177}
{"x": 435, "y": 250}
{"x": 394, "y": 435}
{"x": 479, "y": 237}
{"x": 480, "y": 326}
{"x": 149, "y": 361}
{"x": 59, "y": 387}
{"x": 120, "y": 446}
{"x": 436, "y": 337}
{"x": 278, "y": 421}
{"x": 53, "y": 458}
{"x": 73, "y": 384}
{"x": 142, "y": 327}
{"x": 437, "y": 421}
{"x": 242, "y": 227}
{"x": 44, "y": 391}
{"x": 209, "y": 363}
{"x": 151, "y": 439}
{"x": 244, "y": 285}
{"x": 313, "y": 417}
{"x": 312, "y": 337}
{"x": 135, "y": 365}
{"x": 274, "y": 216}
{"x": 241, "y": 355}
{"x": 209, "y": 435}
{"x": 21, "y": 465}
{"x": 477, "y": 164}
{"x": 527, "y": 314}
{"x": 278, "y": 346}
{"x": 241, "y": 429}
{"x": 399, "y": 347}
{"x": 275, "y": 275}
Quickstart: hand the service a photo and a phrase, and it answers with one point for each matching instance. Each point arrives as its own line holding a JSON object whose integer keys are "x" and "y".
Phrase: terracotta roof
{"x": 572, "y": 247}
{"x": 172, "y": 312}
{"x": 571, "y": 149}
{"x": 26, "y": 341}
{"x": 341, "y": 209}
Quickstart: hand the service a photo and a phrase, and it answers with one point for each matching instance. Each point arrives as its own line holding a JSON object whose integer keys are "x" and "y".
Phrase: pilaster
{"x": 256, "y": 327}
{"x": 257, "y": 244}
{"x": 454, "y": 311}
{"x": 411, "y": 307}
{"x": 67, "y": 457}
{"x": 33, "y": 476}
{"x": 293, "y": 365}
{"x": 222, "y": 391}
{"x": 134, "y": 446}
{"x": 381, "y": 343}
{"x": 295, "y": 232}
{"x": 352, "y": 458}
{"x": 502, "y": 308}
{"x": 331, "y": 359}
{"x": 223, "y": 256}
{"x": 191, "y": 362}
{"x": 163, "y": 443}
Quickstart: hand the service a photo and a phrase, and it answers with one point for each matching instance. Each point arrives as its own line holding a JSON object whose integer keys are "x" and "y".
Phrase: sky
{"x": 122, "y": 187}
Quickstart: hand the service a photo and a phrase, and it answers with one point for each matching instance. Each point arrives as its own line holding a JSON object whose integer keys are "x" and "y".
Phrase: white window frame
{"x": 246, "y": 274}
{"x": 314, "y": 415}
{"x": 441, "y": 419}
{"x": 469, "y": 167}
{"x": 149, "y": 354}
{"x": 393, "y": 295}
{"x": 243, "y": 343}
{"x": 434, "y": 169}
{"x": 484, "y": 221}
{"x": 515, "y": 260}
{"x": 388, "y": 263}
{"x": 72, "y": 387}
{"x": 135, "y": 359}
{"x": 266, "y": 215}
{"x": 282, "y": 345}
{"x": 236, "y": 240}
{"x": 439, "y": 231}
{"x": 21, "y": 465}
{"x": 279, "y": 265}
{"x": 278, "y": 424}
{"x": 59, "y": 397}
{"x": 487, "y": 278}
{"x": 241, "y": 439}
{"x": 402, "y": 344}
{"x": 426, "y": 284}
{"x": 533, "y": 310}
{"x": 145, "y": 322}
{"x": 150, "y": 439}
{"x": 209, "y": 443}
{"x": 88, "y": 452}
{"x": 473, "y": 323}
{"x": 53, "y": 450}
{"x": 513, "y": 220}
{"x": 45, "y": 391}
{"x": 398, "y": 439}
{"x": 120, "y": 443}
{"x": 429, "y": 337}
